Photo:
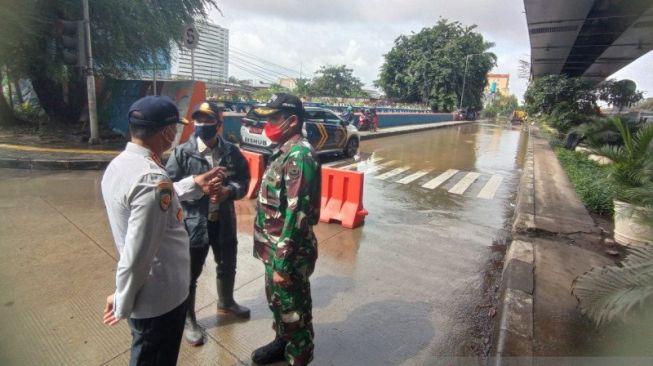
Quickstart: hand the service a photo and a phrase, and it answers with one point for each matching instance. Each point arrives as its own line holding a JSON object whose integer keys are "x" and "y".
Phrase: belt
{"x": 214, "y": 216}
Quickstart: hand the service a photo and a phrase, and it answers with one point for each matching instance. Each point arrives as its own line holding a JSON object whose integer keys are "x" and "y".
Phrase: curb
{"x": 430, "y": 126}
{"x": 515, "y": 333}
{"x": 525, "y": 205}
{"x": 100, "y": 164}
{"x": 41, "y": 164}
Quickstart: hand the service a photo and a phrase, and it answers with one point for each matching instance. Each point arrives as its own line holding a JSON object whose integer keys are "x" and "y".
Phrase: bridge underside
{"x": 588, "y": 38}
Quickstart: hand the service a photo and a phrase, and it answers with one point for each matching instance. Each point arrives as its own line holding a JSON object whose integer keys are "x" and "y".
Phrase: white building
{"x": 211, "y": 55}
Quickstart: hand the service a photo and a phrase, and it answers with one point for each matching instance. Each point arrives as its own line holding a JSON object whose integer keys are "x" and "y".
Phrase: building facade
{"x": 211, "y": 55}
{"x": 498, "y": 83}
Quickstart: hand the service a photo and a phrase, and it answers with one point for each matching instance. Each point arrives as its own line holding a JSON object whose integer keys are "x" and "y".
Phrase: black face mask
{"x": 206, "y": 132}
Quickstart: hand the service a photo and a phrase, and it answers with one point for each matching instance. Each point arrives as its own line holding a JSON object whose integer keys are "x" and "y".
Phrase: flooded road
{"x": 435, "y": 211}
{"x": 404, "y": 289}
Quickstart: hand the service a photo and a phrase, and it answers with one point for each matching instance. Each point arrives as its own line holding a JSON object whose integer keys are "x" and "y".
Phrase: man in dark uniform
{"x": 288, "y": 207}
{"x": 211, "y": 221}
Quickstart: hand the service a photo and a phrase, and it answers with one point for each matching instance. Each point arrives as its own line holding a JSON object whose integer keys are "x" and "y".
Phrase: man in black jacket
{"x": 211, "y": 221}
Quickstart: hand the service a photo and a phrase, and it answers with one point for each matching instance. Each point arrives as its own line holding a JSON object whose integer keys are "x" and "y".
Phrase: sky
{"x": 302, "y": 35}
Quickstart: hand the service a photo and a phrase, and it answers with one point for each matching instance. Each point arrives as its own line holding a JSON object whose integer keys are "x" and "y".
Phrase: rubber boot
{"x": 193, "y": 332}
{"x": 271, "y": 352}
{"x": 226, "y": 303}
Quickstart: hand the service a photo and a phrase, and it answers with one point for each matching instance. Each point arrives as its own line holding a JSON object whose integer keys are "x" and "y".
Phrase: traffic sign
{"x": 191, "y": 36}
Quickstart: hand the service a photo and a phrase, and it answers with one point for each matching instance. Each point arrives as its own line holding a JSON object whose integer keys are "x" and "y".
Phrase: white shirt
{"x": 153, "y": 272}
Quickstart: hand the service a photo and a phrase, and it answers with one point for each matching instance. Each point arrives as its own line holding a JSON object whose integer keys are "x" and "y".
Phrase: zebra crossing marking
{"x": 333, "y": 164}
{"x": 491, "y": 187}
{"x": 392, "y": 173}
{"x": 380, "y": 166}
{"x": 413, "y": 177}
{"x": 351, "y": 166}
{"x": 436, "y": 182}
{"x": 464, "y": 183}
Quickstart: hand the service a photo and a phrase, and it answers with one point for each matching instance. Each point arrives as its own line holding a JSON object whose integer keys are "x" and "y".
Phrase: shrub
{"x": 589, "y": 180}
{"x": 563, "y": 117}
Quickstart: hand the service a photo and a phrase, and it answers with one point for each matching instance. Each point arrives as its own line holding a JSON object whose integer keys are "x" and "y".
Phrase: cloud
{"x": 300, "y": 34}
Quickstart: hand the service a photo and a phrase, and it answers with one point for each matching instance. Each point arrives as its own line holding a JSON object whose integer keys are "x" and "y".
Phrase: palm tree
{"x": 632, "y": 171}
{"x": 612, "y": 291}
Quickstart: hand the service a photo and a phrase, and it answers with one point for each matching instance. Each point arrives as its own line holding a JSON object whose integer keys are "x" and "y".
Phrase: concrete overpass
{"x": 588, "y": 38}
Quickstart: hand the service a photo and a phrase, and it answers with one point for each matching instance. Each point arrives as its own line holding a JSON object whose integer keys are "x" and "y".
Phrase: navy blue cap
{"x": 280, "y": 102}
{"x": 154, "y": 111}
{"x": 209, "y": 108}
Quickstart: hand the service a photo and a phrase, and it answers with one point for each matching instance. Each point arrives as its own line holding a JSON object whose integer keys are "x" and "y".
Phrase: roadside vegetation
{"x": 569, "y": 115}
{"x": 623, "y": 189}
{"x": 590, "y": 181}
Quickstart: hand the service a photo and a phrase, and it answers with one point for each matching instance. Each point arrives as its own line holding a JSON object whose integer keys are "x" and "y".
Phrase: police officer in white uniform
{"x": 146, "y": 220}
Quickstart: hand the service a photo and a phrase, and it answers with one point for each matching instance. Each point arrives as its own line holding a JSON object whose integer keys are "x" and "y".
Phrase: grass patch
{"x": 589, "y": 180}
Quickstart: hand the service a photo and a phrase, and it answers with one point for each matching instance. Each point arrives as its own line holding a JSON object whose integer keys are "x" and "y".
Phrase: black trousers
{"x": 156, "y": 341}
{"x": 223, "y": 253}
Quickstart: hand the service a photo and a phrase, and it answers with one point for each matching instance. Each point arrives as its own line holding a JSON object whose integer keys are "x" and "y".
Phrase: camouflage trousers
{"x": 293, "y": 320}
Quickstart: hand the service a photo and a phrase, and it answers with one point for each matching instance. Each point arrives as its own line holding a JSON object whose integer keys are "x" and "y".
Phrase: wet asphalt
{"x": 403, "y": 289}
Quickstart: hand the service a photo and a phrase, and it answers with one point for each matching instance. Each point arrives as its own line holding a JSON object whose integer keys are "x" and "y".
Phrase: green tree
{"x": 336, "y": 81}
{"x": 303, "y": 87}
{"x": 566, "y": 101}
{"x": 546, "y": 93}
{"x": 262, "y": 95}
{"x": 501, "y": 105}
{"x": 619, "y": 93}
{"x": 126, "y": 35}
{"x": 429, "y": 66}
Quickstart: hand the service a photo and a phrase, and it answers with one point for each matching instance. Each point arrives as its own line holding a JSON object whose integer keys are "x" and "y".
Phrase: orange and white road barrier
{"x": 256, "y": 169}
{"x": 342, "y": 197}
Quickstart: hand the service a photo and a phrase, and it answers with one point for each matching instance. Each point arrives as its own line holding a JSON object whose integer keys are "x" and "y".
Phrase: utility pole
{"x": 462, "y": 95}
{"x": 90, "y": 80}
{"x": 192, "y": 64}
{"x": 154, "y": 81}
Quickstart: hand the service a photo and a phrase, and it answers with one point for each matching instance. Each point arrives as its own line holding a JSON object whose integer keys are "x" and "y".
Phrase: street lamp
{"x": 462, "y": 95}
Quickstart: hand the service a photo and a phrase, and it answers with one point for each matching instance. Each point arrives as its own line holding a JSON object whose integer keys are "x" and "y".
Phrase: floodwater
{"x": 426, "y": 248}
{"x": 403, "y": 289}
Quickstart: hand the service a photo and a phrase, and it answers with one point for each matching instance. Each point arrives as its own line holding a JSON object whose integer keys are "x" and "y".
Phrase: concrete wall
{"x": 232, "y": 121}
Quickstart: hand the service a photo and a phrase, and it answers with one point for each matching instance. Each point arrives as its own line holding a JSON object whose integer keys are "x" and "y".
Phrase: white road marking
{"x": 436, "y": 182}
{"x": 392, "y": 173}
{"x": 350, "y": 166}
{"x": 491, "y": 187}
{"x": 413, "y": 177}
{"x": 380, "y": 166}
{"x": 464, "y": 183}
{"x": 334, "y": 163}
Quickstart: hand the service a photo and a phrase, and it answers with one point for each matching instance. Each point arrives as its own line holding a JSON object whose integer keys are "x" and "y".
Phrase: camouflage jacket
{"x": 287, "y": 208}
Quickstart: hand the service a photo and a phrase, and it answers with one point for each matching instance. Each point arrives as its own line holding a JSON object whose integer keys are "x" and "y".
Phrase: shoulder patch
{"x": 180, "y": 215}
{"x": 164, "y": 195}
{"x": 293, "y": 171}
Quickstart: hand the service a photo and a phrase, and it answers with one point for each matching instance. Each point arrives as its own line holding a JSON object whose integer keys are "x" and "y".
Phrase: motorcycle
{"x": 365, "y": 122}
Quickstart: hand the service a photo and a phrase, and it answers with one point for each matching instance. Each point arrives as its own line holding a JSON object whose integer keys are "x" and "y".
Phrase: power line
{"x": 254, "y": 73}
{"x": 263, "y": 69}
{"x": 262, "y": 60}
{"x": 246, "y": 68}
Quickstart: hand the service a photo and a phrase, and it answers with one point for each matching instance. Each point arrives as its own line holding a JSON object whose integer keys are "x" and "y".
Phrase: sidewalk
{"x": 32, "y": 152}
{"x": 554, "y": 241}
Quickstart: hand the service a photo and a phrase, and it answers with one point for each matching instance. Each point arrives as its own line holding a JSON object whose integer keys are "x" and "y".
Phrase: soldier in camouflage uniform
{"x": 287, "y": 209}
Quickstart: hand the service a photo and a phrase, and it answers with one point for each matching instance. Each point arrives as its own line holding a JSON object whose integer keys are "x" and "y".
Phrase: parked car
{"x": 324, "y": 129}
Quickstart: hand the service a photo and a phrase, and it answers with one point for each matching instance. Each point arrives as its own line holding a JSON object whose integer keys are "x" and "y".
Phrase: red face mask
{"x": 275, "y": 132}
